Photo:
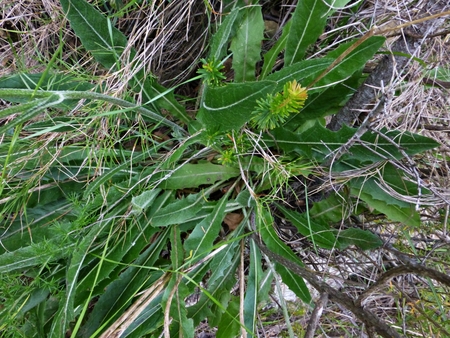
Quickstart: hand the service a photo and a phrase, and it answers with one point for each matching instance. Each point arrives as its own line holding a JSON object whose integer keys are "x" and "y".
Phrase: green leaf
{"x": 330, "y": 209}
{"x": 180, "y": 323}
{"x": 176, "y": 291}
{"x": 317, "y": 142}
{"x": 308, "y": 22}
{"x": 228, "y": 326}
{"x": 201, "y": 240}
{"x": 36, "y": 254}
{"x": 195, "y": 175}
{"x": 318, "y": 233}
{"x": 226, "y": 30}
{"x": 295, "y": 283}
{"x": 221, "y": 281}
{"x": 120, "y": 292}
{"x": 388, "y": 205}
{"x": 179, "y": 211}
{"x": 144, "y": 200}
{"x": 303, "y": 72}
{"x": 27, "y": 111}
{"x": 363, "y": 239}
{"x": 251, "y": 293}
{"x": 272, "y": 55}
{"x": 274, "y": 244}
{"x": 354, "y": 61}
{"x": 160, "y": 96}
{"x": 47, "y": 82}
{"x": 246, "y": 45}
{"x": 96, "y": 32}
{"x": 230, "y": 107}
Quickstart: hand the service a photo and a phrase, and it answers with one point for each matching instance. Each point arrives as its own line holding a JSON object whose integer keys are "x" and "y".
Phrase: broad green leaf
{"x": 96, "y": 32}
{"x": 179, "y": 211}
{"x": 251, "y": 293}
{"x": 228, "y": 326}
{"x": 331, "y": 209}
{"x": 303, "y": 72}
{"x": 144, "y": 200}
{"x": 274, "y": 244}
{"x": 195, "y": 175}
{"x": 324, "y": 103}
{"x": 320, "y": 234}
{"x": 223, "y": 267}
{"x": 107, "y": 43}
{"x": 407, "y": 214}
{"x": 317, "y": 142}
{"x": 231, "y": 106}
{"x": 295, "y": 282}
{"x": 363, "y": 239}
{"x": 227, "y": 29}
{"x": 246, "y": 45}
{"x": 354, "y": 61}
{"x": 308, "y": 22}
{"x": 201, "y": 239}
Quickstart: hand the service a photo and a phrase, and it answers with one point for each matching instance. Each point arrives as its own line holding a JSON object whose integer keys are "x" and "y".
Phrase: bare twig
{"x": 366, "y": 316}
{"x": 315, "y": 316}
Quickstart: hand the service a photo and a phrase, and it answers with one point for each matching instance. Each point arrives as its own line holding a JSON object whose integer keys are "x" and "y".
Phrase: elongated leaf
{"x": 272, "y": 55}
{"x": 308, "y": 22}
{"x": 48, "y": 82}
{"x": 329, "y": 209}
{"x": 363, "y": 239}
{"x": 222, "y": 280}
{"x": 354, "y": 61}
{"x": 179, "y": 211}
{"x": 251, "y": 294}
{"x": 122, "y": 291}
{"x": 35, "y": 255}
{"x": 274, "y": 244}
{"x": 319, "y": 234}
{"x": 246, "y": 45}
{"x": 100, "y": 37}
{"x": 180, "y": 323}
{"x": 295, "y": 283}
{"x": 195, "y": 175}
{"x": 223, "y": 35}
{"x": 201, "y": 239}
{"x": 28, "y": 111}
{"x": 389, "y": 206}
{"x": 229, "y": 324}
{"x": 165, "y": 98}
{"x": 144, "y": 200}
{"x": 177, "y": 291}
{"x": 317, "y": 142}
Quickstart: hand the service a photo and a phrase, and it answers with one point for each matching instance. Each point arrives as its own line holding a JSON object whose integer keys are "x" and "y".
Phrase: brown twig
{"x": 315, "y": 316}
{"x": 366, "y": 316}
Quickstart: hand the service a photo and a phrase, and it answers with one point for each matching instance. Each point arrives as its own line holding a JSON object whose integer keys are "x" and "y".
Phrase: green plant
{"x": 115, "y": 227}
